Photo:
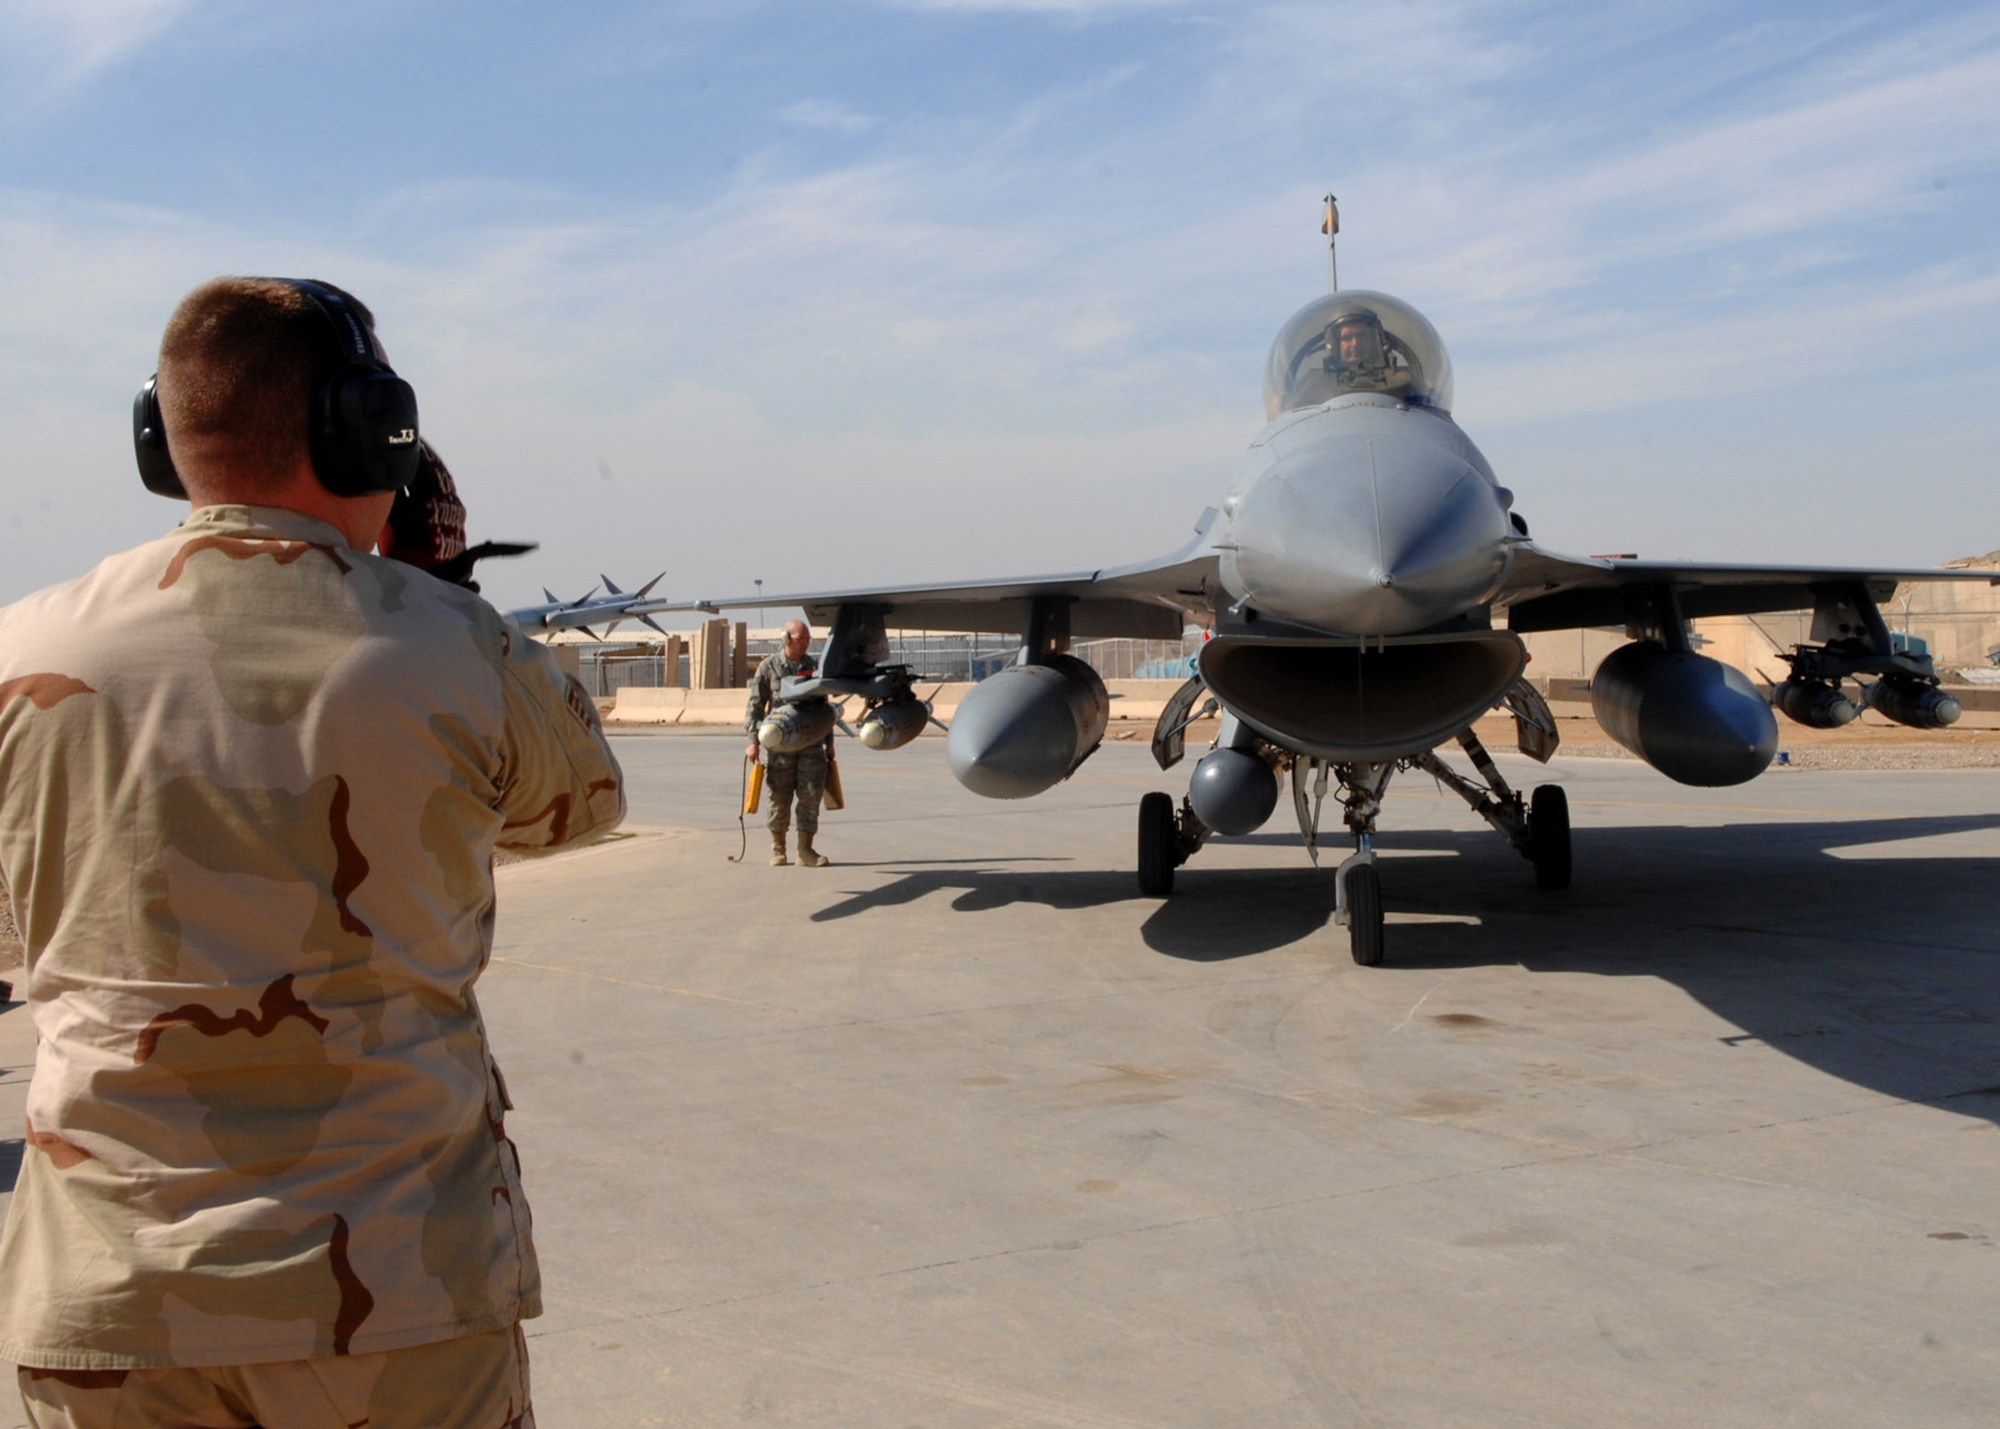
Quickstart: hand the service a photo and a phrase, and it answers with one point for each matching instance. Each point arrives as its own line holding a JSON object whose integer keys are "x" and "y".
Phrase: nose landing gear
{"x": 1537, "y": 827}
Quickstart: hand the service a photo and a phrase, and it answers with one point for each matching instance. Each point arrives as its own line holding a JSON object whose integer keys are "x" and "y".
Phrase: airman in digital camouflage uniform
{"x": 785, "y": 775}
{"x": 251, "y": 782}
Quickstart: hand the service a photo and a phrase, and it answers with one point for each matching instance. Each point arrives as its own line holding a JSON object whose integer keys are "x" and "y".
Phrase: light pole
{"x": 760, "y": 605}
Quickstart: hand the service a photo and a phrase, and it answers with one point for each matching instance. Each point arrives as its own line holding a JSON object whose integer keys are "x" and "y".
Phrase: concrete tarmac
{"x": 963, "y": 1131}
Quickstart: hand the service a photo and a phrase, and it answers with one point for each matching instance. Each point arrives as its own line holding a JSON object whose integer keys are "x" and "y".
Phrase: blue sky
{"x": 849, "y": 291}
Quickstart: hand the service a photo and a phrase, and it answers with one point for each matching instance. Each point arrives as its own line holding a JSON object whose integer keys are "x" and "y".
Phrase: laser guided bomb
{"x": 893, "y": 723}
{"x": 1913, "y": 702}
{"x": 1816, "y": 704}
{"x": 799, "y": 725}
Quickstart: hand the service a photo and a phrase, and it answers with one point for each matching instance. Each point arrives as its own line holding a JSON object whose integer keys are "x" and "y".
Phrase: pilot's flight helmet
{"x": 1354, "y": 341}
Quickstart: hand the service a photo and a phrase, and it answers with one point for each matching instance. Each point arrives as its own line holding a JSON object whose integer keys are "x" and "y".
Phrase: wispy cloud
{"x": 827, "y": 114}
{"x": 55, "y": 44}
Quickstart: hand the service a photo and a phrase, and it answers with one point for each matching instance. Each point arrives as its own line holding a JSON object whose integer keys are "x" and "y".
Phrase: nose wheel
{"x": 1361, "y": 890}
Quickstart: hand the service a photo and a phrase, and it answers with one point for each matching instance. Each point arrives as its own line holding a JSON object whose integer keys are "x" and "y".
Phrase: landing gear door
{"x": 1170, "y": 734}
{"x": 1535, "y": 733}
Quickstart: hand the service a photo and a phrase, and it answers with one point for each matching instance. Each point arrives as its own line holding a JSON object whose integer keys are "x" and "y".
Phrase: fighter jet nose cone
{"x": 1380, "y": 535}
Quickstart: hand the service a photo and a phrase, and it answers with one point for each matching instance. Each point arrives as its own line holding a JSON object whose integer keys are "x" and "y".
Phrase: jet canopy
{"x": 1357, "y": 341}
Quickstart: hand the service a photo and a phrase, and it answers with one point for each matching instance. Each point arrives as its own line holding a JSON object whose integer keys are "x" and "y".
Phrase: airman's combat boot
{"x": 778, "y": 859}
{"x": 810, "y": 857}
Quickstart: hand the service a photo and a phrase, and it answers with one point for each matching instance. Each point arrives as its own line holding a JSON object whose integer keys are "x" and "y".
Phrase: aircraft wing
{"x": 1150, "y": 600}
{"x": 1546, "y": 590}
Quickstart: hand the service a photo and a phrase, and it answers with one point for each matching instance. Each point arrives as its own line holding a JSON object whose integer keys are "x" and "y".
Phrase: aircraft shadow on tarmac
{"x": 1877, "y": 967}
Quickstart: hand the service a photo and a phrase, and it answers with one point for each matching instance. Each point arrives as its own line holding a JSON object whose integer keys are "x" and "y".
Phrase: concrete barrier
{"x": 714, "y": 707}
{"x": 642, "y": 705}
{"x": 638, "y": 704}
{"x": 1130, "y": 700}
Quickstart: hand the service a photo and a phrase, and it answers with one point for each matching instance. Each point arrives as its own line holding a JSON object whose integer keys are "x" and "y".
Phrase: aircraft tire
{"x": 1156, "y": 845}
{"x": 1548, "y": 836}
{"x": 1364, "y": 915}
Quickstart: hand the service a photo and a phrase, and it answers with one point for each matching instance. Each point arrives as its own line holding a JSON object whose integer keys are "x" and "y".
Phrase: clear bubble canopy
{"x": 1357, "y": 341}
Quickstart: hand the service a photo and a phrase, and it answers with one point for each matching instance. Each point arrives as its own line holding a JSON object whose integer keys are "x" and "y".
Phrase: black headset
{"x": 361, "y": 424}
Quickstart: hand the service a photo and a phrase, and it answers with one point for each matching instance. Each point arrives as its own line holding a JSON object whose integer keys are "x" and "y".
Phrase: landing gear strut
{"x": 1537, "y": 828}
{"x": 1357, "y": 883}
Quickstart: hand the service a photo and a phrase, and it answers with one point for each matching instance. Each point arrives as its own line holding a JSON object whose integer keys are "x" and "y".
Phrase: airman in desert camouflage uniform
{"x": 251, "y": 783}
{"x": 787, "y": 775}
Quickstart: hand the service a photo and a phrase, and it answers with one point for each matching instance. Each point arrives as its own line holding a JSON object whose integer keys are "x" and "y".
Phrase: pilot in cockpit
{"x": 1360, "y": 358}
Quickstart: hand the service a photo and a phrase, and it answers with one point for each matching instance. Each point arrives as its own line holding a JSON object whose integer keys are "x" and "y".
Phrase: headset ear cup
{"x": 149, "y": 444}
{"x": 364, "y": 434}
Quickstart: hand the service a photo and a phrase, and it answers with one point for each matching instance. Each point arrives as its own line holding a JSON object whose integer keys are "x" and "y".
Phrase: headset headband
{"x": 353, "y": 340}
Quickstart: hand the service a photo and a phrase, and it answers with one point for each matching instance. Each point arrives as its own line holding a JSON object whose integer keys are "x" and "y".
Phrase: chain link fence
{"x": 609, "y": 667}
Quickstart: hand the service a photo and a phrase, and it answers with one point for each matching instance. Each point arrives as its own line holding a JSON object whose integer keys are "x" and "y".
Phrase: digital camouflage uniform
{"x": 251, "y": 782}
{"x": 804, "y": 772}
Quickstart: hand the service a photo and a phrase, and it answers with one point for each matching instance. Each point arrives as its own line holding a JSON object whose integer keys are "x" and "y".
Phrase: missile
{"x": 611, "y": 609}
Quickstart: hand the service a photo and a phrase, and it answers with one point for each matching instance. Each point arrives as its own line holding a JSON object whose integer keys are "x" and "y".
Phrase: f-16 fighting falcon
{"x": 1365, "y": 582}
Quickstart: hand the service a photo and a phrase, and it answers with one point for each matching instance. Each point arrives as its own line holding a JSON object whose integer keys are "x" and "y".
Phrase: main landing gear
{"x": 1167, "y": 839}
{"x": 1537, "y": 827}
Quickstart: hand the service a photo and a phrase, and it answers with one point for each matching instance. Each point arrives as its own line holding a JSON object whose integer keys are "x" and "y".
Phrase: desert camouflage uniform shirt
{"x": 251, "y": 782}
{"x": 772, "y": 670}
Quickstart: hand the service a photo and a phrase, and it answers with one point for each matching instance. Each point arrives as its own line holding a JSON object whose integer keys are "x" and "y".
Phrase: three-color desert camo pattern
{"x": 251, "y": 783}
